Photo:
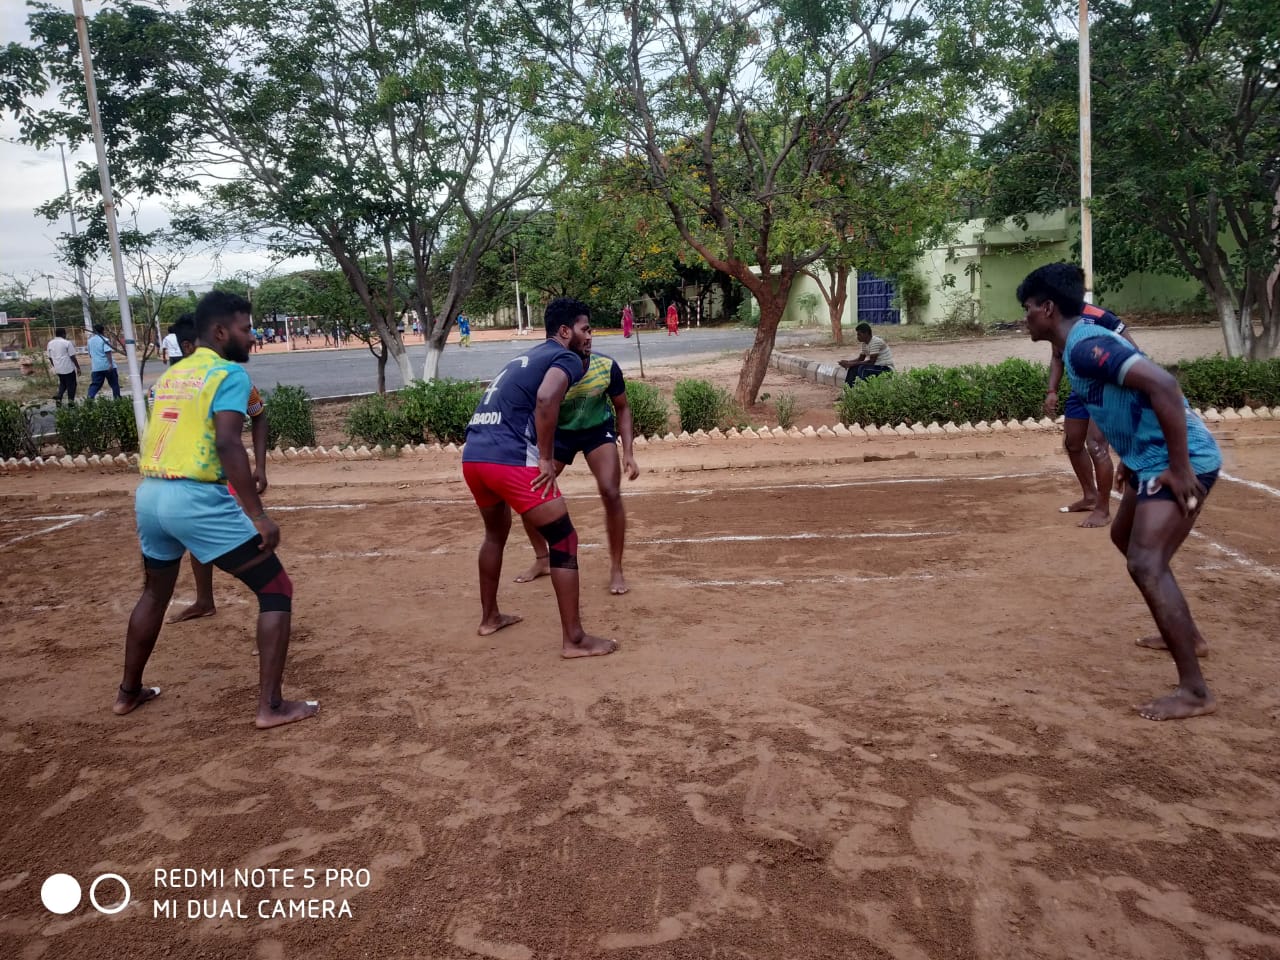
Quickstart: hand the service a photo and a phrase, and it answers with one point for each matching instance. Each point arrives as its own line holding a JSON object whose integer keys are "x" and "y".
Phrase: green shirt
{"x": 587, "y": 405}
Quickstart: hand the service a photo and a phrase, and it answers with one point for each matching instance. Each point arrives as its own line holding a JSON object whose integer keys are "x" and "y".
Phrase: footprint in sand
{"x": 718, "y": 894}
{"x": 466, "y": 936}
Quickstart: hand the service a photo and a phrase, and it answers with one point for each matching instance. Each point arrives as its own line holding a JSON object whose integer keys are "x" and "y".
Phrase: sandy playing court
{"x": 861, "y": 709}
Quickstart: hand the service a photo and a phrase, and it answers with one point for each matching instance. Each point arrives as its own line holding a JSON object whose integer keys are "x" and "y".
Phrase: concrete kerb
{"x": 837, "y": 432}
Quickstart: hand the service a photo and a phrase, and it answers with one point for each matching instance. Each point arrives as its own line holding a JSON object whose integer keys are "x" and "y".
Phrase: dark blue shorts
{"x": 1207, "y": 480}
{"x": 1075, "y": 408}
{"x": 570, "y": 443}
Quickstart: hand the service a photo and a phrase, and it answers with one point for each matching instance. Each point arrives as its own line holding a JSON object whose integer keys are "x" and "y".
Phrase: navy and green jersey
{"x": 1097, "y": 361}
{"x": 502, "y": 428}
{"x": 1103, "y": 318}
{"x": 586, "y": 405}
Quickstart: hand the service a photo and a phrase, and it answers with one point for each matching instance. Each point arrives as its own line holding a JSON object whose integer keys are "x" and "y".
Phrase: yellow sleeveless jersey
{"x": 180, "y": 442}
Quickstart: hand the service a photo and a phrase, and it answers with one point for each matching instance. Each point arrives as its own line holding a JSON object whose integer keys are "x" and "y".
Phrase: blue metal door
{"x": 875, "y": 300}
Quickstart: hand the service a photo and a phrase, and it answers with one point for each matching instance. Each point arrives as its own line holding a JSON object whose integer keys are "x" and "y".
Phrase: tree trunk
{"x": 839, "y": 294}
{"x": 1237, "y": 334}
{"x": 382, "y": 370}
{"x": 756, "y": 363}
{"x": 431, "y": 363}
{"x": 400, "y": 354}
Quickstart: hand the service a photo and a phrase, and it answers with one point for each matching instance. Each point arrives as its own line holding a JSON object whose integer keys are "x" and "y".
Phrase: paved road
{"x": 326, "y": 373}
{"x": 337, "y": 372}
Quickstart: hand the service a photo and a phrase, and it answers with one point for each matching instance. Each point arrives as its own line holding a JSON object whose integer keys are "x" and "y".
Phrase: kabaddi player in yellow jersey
{"x": 185, "y": 330}
{"x": 190, "y": 451}
{"x": 587, "y": 425}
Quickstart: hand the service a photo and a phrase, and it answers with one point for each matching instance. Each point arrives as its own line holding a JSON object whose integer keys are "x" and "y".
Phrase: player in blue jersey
{"x": 509, "y": 463}
{"x": 1169, "y": 462}
{"x": 1086, "y": 447}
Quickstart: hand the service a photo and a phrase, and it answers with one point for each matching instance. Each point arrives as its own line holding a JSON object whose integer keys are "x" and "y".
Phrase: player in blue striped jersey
{"x": 1169, "y": 462}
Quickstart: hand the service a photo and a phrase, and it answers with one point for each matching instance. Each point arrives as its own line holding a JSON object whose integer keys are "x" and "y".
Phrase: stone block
{"x": 80, "y": 461}
{"x": 872, "y": 430}
{"x": 1212, "y": 415}
{"x": 67, "y": 461}
{"x": 1262, "y": 413}
{"x": 903, "y": 430}
{"x": 684, "y": 436}
{"x": 1229, "y": 414}
{"x": 122, "y": 460}
{"x": 840, "y": 430}
{"x": 806, "y": 432}
{"x": 777, "y": 433}
{"x": 1246, "y": 413}
{"x": 291, "y": 453}
{"x": 670, "y": 438}
{"x": 967, "y": 427}
{"x": 749, "y": 434}
{"x": 825, "y": 432}
{"x": 935, "y": 429}
{"x": 452, "y": 448}
{"x": 982, "y": 426}
{"x": 857, "y": 432}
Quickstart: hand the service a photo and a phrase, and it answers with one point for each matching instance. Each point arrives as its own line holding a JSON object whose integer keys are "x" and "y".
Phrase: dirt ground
{"x": 862, "y": 708}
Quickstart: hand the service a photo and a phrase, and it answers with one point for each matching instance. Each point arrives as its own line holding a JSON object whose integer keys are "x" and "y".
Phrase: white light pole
{"x": 1086, "y": 157}
{"x": 515, "y": 268}
{"x": 113, "y": 232}
{"x": 71, "y": 212}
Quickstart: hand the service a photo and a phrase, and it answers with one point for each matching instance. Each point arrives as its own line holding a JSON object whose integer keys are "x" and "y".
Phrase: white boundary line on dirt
{"x": 79, "y": 518}
{"x": 1238, "y": 558}
{"x": 56, "y": 516}
{"x": 1252, "y": 484}
{"x": 760, "y": 537}
{"x": 836, "y": 579}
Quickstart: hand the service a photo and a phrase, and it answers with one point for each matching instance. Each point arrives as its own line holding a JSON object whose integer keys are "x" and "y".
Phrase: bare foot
{"x": 1099, "y": 517}
{"x": 1157, "y": 643}
{"x": 1179, "y": 705}
{"x": 194, "y": 612}
{"x": 618, "y": 583}
{"x": 541, "y": 568}
{"x": 129, "y": 701}
{"x": 589, "y": 646}
{"x": 286, "y": 711}
{"x": 1083, "y": 505}
{"x": 490, "y": 627}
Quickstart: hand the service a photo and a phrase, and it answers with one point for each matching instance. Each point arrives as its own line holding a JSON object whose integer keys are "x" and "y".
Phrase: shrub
{"x": 97, "y": 426}
{"x": 1229, "y": 382}
{"x": 701, "y": 404}
{"x": 440, "y": 409}
{"x": 289, "y": 418}
{"x": 649, "y": 410}
{"x": 785, "y": 408}
{"x": 15, "y": 431}
{"x": 378, "y": 419}
{"x": 748, "y": 313}
{"x": 1013, "y": 389}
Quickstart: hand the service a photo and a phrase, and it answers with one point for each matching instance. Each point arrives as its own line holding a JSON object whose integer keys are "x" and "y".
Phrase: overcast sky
{"x": 28, "y": 243}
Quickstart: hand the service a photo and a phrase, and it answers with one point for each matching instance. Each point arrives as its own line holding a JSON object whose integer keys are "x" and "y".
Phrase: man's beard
{"x": 236, "y": 354}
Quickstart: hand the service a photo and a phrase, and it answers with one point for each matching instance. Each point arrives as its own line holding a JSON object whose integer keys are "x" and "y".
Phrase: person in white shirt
{"x": 170, "y": 348}
{"x": 876, "y": 357}
{"x": 62, "y": 355}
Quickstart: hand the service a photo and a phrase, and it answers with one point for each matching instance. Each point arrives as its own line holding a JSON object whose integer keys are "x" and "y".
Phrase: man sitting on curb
{"x": 876, "y": 357}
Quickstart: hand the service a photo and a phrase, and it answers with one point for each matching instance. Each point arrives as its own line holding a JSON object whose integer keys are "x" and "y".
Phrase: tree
{"x": 742, "y": 119}
{"x": 355, "y": 127}
{"x": 1186, "y": 151}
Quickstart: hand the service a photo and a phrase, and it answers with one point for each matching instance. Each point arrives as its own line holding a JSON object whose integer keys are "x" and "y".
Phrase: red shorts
{"x": 494, "y": 483}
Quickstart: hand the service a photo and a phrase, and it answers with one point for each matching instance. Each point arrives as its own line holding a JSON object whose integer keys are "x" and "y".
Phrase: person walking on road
{"x": 102, "y": 366}
{"x": 65, "y": 363}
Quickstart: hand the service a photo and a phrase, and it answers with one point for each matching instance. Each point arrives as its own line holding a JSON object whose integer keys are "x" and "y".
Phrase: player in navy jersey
{"x": 1086, "y": 447}
{"x": 509, "y": 463}
{"x": 1168, "y": 463}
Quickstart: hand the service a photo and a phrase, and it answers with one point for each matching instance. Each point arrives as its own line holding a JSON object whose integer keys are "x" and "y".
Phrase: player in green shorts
{"x": 587, "y": 426}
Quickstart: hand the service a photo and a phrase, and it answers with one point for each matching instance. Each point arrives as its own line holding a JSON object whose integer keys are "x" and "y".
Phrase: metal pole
{"x": 71, "y": 212}
{"x": 515, "y": 267}
{"x": 1086, "y": 157}
{"x": 113, "y": 232}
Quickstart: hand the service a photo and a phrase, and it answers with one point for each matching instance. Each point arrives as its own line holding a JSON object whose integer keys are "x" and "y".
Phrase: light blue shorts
{"x": 178, "y": 515}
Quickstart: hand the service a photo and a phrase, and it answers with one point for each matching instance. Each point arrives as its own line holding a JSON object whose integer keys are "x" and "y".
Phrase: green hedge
{"x": 702, "y": 405}
{"x": 15, "y": 431}
{"x": 289, "y": 419}
{"x": 97, "y": 426}
{"x": 1015, "y": 389}
{"x": 1221, "y": 382}
{"x": 436, "y": 410}
{"x": 649, "y": 410}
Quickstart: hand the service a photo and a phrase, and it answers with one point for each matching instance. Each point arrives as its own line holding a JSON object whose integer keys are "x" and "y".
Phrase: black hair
{"x": 60, "y": 332}
{"x": 216, "y": 306}
{"x": 184, "y": 328}
{"x": 99, "y": 329}
{"x": 862, "y": 328}
{"x": 561, "y": 312}
{"x": 1062, "y": 283}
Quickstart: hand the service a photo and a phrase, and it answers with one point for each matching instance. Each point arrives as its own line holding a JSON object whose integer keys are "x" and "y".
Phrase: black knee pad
{"x": 270, "y": 584}
{"x": 562, "y": 543}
